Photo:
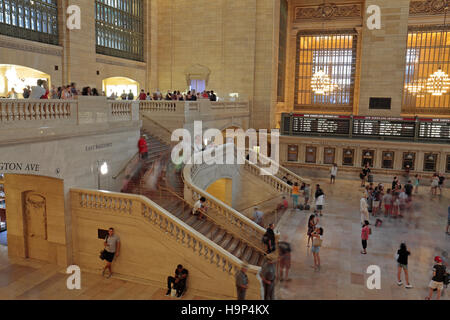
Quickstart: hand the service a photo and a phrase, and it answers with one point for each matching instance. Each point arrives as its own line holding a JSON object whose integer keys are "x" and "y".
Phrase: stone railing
{"x": 282, "y": 171}
{"x": 226, "y": 216}
{"x": 270, "y": 179}
{"x": 141, "y": 210}
{"x": 229, "y": 105}
{"x": 162, "y": 106}
{"x": 120, "y": 110}
{"x": 22, "y": 112}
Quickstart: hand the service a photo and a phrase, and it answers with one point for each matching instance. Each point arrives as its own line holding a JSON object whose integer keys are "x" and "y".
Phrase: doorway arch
{"x": 118, "y": 85}
{"x": 19, "y": 77}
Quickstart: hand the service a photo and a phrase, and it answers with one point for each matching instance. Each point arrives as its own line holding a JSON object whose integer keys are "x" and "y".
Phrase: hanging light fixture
{"x": 321, "y": 83}
{"x": 439, "y": 82}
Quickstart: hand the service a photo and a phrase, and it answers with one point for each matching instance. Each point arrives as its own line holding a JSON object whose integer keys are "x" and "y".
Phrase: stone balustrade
{"x": 270, "y": 179}
{"x": 23, "y": 112}
{"x": 223, "y": 214}
{"x": 120, "y": 110}
{"x": 141, "y": 210}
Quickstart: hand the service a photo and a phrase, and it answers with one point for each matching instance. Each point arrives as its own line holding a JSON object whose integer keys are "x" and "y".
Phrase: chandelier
{"x": 321, "y": 83}
{"x": 439, "y": 83}
{"x": 417, "y": 86}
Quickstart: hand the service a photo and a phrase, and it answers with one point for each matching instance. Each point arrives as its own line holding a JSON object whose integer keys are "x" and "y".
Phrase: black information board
{"x": 434, "y": 129}
{"x": 321, "y": 125}
{"x": 384, "y": 127}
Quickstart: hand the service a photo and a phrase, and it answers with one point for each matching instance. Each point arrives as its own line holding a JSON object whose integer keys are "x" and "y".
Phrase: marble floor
{"x": 343, "y": 268}
{"x": 342, "y": 276}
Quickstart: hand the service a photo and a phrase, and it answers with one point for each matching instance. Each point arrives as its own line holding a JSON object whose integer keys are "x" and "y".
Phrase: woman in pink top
{"x": 365, "y": 236}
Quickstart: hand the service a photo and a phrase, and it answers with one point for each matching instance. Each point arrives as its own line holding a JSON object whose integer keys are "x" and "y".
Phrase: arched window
{"x": 35, "y": 20}
{"x": 120, "y": 28}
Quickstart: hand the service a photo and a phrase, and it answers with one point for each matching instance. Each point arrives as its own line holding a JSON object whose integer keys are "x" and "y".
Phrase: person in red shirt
{"x": 142, "y": 95}
{"x": 143, "y": 148}
{"x": 365, "y": 236}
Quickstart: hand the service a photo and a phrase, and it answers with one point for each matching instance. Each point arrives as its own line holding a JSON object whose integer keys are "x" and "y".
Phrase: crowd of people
{"x": 42, "y": 91}
{"x": 190, "y": 95}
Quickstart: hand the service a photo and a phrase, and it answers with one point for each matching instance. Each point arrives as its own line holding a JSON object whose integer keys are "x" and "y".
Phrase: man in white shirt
{"x": 37, "y": 91}
{"x": 199, "y": 208}
{"x": 334, "y": 170}
{"x": 363, "y": 207}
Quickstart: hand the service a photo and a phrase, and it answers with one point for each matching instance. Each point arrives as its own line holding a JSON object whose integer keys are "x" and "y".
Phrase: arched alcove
{"x": 19, "y": 77}
{"x": 118, "y": 85}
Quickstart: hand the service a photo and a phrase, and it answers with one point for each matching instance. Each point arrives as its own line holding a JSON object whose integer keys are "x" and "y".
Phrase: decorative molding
{"x": 427, "y": 7}
{"x": 328, "y": 11}
{"x": 29, "y": 46}
{"x": 119, "y": 63}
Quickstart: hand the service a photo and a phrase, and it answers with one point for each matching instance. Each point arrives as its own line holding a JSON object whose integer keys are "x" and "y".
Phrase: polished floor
{"x": 343, "y": 268}
{"x": 342, "y": 276}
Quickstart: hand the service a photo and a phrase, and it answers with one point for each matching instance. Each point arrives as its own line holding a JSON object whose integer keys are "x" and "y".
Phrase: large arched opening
{"x": 222, "y": 189}
{"x": 15, "y": 78}
{"x": 117, "y": 86}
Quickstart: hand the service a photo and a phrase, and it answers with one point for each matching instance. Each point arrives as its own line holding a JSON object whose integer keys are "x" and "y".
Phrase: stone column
{"x": 383, "y": 57}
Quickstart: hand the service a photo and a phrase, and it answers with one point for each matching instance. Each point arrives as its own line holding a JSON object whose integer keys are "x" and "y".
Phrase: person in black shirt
{"x": 212, "y": 96}
{"x": 441, "y": 183}
{"x": 364, "y": 174}
{"x": 409, "y": 189}
{"x": 179, "y": 281}
{"x": 437, "y": 282}
{"x": 395, "y": 183}
{"x": 402, "y": 261}
{"x": 269, "y": 239}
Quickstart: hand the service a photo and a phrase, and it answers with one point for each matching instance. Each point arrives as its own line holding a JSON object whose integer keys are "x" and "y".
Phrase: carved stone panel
{"x": 427, "y": 7}
{"x": 35, "y": 216}
{"x": 328, "y": 11}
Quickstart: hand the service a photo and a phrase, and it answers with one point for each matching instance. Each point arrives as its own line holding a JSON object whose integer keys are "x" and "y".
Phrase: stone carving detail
{"x": 4, "y": 43}
{"x": 35, "y": 215}
{"x": 427, "y": 7}
{"x": 328, "y": 11}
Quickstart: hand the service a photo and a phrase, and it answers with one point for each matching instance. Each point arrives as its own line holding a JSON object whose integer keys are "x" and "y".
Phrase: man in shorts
{"x": 112, "y": 248}
{"x": 437, "y": 282}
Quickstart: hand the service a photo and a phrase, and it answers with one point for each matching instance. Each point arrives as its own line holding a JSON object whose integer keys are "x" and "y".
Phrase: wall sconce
{"x": 409, "y": 156}
{"x": 349, "y": 153}
{"x": 368, "y": 154}
{"x": 431, "y": 158}
{"x": 102, "y": 171}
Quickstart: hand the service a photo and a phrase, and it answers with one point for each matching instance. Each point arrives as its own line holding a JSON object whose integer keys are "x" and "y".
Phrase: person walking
{"x": 295, "y": 195}
{"x": 434, "y": 184}
{"x": 320, "y": 199}
{"x": 365, "y": 236}
{"x": 311, "y": 227}
{"x": 416, "y": 183}
{"x": 333, "y": 173}
{"x": 437, "y": 282}
{"x": 285, "y": 260}
{"x": 143, "y": 148}
{"x": 112, "y": 249}
{"x": 402, "y": 260}
{"x": 364, "y": 208}
{"x": 269, "y": 239}
{"x": 448, "y": 221}
{"x": 317, "y": 236}
{"x": 242, "y": 282}
{"x": 258, "y": 217}
{"x": 268, "y": 276}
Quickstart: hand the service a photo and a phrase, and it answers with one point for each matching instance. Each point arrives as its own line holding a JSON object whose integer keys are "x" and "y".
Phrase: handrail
{"x": 270, "y": 179}
{"x": 164, "y": 139}
{"x": 298, "y": 179}
{"x": 126, "y": 166}
{"x": 259, "y": 203}
{"x": 246, "y": 227}
{"x": 215, "y": 219}
{"x": 135, "y": 206}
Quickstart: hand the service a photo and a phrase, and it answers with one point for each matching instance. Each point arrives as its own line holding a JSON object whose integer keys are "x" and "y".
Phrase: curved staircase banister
{"x": 269, "y": 178}
{"x": 125, "y": 166}
{"x": 166, "y": 137}
{"x": 248, "y": 228}
{"x": 283, "y": 169}
{"x": 140, "y": 207}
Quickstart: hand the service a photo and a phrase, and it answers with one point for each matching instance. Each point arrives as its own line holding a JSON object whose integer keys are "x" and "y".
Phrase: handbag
{"x": 317, "y": 242}
{"x": 103, "y": 254}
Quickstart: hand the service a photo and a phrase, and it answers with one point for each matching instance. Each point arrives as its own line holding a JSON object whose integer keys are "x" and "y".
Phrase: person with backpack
{"x": 365, "y": 232}
{"x": 402, "y": 260}
{"x": 284, "y": 260}
{"x": 437, "y": 282}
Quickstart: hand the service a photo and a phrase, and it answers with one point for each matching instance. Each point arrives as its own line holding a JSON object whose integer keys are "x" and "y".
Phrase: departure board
{"x": 384, "y": 127}
{"x": 434, "y": 129}
{"x": 321, "y": 124}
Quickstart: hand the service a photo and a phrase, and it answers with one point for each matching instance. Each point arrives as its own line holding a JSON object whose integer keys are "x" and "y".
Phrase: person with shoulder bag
{"x": 316, "y": 244}
{"x": 111, "y": 251}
